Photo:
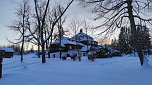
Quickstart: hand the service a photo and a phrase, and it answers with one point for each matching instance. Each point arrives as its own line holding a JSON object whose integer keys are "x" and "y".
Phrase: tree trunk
{"x": 43, "y": 45}
{"x": 60, "y": 43}
{"x": 60, "y": 49}
{"x": 134, "y": 33}
{"x": 49, "y": 51}
{"x": 43, "y": 53}
{"x": 38, "y": 51}
{"x": 49, "y": 56}
{"x": 46, "y": 45}
{"x": 22, "y": 49}
{"x": 23, "y": 29}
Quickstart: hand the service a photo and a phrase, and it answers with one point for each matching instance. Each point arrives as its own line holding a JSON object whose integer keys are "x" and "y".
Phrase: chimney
{"x": 81, "y": 31}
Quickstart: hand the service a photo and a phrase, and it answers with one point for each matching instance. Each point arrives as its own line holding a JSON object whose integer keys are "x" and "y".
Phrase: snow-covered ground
{"x": 124, "y": 70}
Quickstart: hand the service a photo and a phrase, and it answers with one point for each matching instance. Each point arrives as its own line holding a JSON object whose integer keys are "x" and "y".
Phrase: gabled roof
{"x": 81, "y": 36}
{"x": 7, "y": 49}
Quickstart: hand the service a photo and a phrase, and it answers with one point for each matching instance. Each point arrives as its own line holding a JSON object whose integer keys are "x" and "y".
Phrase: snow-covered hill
{"x": 109, "y": 71}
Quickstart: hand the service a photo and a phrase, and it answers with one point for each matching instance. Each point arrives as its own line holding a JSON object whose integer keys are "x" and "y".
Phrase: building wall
{"x": 8, "y": 54}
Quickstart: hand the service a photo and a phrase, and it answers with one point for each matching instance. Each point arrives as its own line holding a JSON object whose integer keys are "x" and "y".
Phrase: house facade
{"x": 65, "y": 46}
{"x": 80, "y": 43}
{"x": 88, "y": 41}
{"x": 8, "y": 52}
{"x": 83, "y": 38}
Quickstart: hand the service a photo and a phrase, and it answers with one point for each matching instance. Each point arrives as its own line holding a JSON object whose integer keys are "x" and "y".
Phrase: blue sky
{"x": 7, "y": 15}
{"x": 7, "y": 9}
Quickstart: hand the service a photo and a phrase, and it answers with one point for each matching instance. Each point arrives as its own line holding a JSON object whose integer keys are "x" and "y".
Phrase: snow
{"x": 124, "y": 70}
{"x": 146, "y": 62}
{"x": 7, "y": 49}
{"x": 85, "y": 47}
{"x": 82, "y": 36}
{"x": 66, "y": 41}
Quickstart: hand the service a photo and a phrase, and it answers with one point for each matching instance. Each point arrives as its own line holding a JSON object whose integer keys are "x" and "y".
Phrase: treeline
{"x": 17, "y": 48}
{"x": 124, "y": 43}
{"x": 36, "y": 24}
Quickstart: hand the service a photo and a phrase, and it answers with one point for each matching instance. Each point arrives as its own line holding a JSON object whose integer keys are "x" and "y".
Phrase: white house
{"x": 80, "y": 42}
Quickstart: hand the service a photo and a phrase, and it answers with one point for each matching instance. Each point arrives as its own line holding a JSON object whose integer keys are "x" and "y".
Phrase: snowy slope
{"x": 110, "y": 71}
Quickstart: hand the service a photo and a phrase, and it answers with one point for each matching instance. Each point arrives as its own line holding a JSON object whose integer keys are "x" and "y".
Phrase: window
{"x": 70, "y": 47}
{"x": 84, "y": 54}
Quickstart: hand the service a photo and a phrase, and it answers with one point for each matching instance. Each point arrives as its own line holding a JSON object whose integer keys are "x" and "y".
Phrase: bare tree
{"x": 60, "y": 26}
{"x": 75, "y": 25}
{"x": 54, "y": 14}
{"x": 41, "y": 22}
{"x": 21, "y": 25}
{"x": 117, "y": 12}
{"x": 87, "y": 27}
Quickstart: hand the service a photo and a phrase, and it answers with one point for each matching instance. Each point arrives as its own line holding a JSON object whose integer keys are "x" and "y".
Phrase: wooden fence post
{"x": 1, "y": 60}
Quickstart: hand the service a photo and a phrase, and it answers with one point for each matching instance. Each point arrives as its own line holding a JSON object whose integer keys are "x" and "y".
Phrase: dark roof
{"x": 7, "y": 49}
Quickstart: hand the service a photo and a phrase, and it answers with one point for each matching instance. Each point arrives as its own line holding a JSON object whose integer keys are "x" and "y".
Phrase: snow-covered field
{"x": 109, "y": 71}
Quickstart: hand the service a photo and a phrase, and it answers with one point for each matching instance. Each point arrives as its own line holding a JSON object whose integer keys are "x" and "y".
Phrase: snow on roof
{"x": 7, "y": 49}
{"x": 100, "y": 47}
{"x": 66, "y": 41}
{"x": 82, "y": 37}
